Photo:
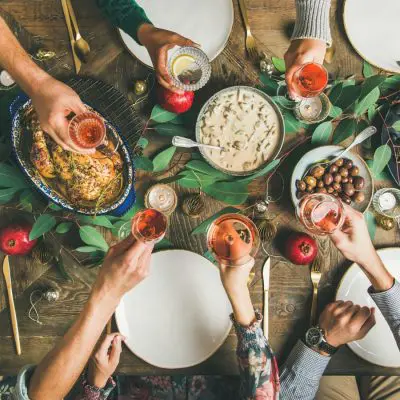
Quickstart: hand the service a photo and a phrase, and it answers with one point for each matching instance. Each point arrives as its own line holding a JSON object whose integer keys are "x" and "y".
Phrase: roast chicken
{"x": 82, "y": 179}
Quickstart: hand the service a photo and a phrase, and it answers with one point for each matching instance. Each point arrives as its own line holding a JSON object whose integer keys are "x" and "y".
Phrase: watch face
{"x": 314, "y": 337}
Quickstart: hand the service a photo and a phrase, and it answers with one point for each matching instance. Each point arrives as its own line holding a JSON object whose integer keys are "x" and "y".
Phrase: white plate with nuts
{"x": 348, "y": 178}
{"x": 248, "y": 126}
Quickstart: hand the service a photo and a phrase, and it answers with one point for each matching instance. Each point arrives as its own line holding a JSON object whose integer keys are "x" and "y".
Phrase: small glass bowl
{"x": 202, "y": 68}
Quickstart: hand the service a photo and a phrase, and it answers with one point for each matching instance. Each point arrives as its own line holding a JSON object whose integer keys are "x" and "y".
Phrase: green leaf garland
{"x": 322, "y": 134}
{"x": 381, "y": 159}
{"x": 45, "y": 223}
{"x": 158, "y": 114}
{"x": 93, "y": 237}
{"x": 162, "y": 160}
{"x": 344, "y": 130}
{"x": 233, "y": 193}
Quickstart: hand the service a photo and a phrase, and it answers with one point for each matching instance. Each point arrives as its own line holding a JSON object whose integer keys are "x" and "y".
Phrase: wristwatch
{"x": 315, "y": 339}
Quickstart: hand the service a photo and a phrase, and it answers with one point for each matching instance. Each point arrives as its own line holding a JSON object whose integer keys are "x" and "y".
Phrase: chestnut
{"x": 359, "y": 197}
{"x": 348, "y": 189}
{"x": 337, "y": 178}
{"x": 310, "y": 180}
{"x": 346, "y": 199}
{"x": 333, "y": 169}
{"x": 358, "y": 182}
{"x": 337, "y": 186}
{"x": 339, "y": 162}
{"x": 301, "y": 185}
{"x": 348, "y": 164}
{"x": 328, "y": 179}
{"x": 344, "y": 172}
{"x": 317, "y": 171}
{"x": 354, "y": 171}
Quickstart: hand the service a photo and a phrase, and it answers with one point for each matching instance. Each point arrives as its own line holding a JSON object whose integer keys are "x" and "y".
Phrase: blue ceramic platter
{"x": 127, "y": 196}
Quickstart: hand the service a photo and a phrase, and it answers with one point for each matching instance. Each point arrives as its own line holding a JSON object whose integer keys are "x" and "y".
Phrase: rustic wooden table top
{"x": 41, "y": 23}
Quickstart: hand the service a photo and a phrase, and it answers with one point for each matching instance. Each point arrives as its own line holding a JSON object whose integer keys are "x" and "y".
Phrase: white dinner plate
{"x": 379, "y": 346}
{"x": 206, "y": 22}
{"x": 178, "y": 316}
{"x": 372, "y": 28}
{"x": 329, "y": 152}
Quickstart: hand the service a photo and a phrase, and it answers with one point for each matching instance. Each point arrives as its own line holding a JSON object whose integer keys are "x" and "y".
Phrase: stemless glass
{"x": 233, "y": 239}
{"x": 310, "y": 80}
{"x": 321, "y": 213}
{"x": 189, "y": 68}
{"x": 149, "y": 225}
{"x": 87, "y": 130}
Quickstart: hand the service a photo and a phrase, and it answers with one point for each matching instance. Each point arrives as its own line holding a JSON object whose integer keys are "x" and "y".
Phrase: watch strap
{"x": 327, "y": 348}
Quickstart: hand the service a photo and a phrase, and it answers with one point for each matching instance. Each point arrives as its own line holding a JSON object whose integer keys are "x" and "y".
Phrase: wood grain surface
{"x": 40, "y": 24}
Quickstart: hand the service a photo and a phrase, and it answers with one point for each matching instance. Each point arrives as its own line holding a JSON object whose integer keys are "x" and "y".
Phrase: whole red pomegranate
{"x": 14, "y": 240}
{"x": 300, "y": 248}
{"x": 174, "y": 102}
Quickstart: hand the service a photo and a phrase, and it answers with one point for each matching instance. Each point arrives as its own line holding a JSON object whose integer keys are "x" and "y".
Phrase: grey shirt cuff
{"x": 312, "y": 20}
{"x": 24, "y": 376}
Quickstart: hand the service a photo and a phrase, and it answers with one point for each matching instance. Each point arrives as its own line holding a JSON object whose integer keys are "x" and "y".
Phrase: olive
{"x": 348, "y": 189}
{"x": 330, "y": 189}
{"x": 320, "y": 184}
{"x": 345, "y": 180}
{"x": 358, "y": 182}
{"x": 337, "y": 178}
{"x": 301, "y": 185}
{"x": 339, "y": 162}
{"x": 328, "y": 179}
{"x": 344, "y": 172}
{"x": 337, "y": 186}
{"x": 310, "y": 189}
{"x": 348, "y": 164}
{"x": 333, "y": 169}
{"x": 346, "y": 199}
{"x": 350, "y": 179}
{"x": 322, "y": 190}
{"x": 354, "y": 171}
{"x": 359, "y": 197}
{"x": 335, "y": 193}
{"x": 317, "y": 171}
{"x": 310, "y": 180}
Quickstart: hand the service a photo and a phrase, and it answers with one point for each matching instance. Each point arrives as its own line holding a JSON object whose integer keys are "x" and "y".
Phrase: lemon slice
{"x": 182, "y": 64}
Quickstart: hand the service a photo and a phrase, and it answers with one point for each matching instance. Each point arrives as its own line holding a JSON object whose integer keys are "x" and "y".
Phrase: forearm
{"x": 17, "y": 62}
{"x": 68, "y": 359}
{"x": 312, "y": 21}
{"x": 377, "y": 273}
{"x": 301, "y": 373}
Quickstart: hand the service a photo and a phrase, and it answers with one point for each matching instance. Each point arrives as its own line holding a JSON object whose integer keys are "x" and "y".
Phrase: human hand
{"x": 158, "y": 42}
{"x": 354, "y": 242}
{"x": 300, "y": 52}
{"x": 54, "y": 101}
{"x": 105, "y": 360}
{"x": 344, "y": 322}
{"x": 125, "y": 266}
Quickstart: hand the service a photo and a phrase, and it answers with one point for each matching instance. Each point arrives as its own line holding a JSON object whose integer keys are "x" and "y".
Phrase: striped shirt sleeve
{"x": 388, "y": 303}
{"x": 301, "y": 373}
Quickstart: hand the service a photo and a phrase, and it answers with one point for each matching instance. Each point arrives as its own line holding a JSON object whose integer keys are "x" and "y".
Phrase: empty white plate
{"x": 178, "y": 316}
{"x": 379, "y": 346}
{"x": 372, "y": 28}
{"x": 206, "y": 22}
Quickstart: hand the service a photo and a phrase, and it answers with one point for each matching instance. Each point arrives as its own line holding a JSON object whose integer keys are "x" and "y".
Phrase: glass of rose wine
{"x": 321, "y": 213}
{"x": 233, "y": 239}
{"x": 149, "y": 225}
{"x": 87, "y": 130}
{"x": 310, "y": 80}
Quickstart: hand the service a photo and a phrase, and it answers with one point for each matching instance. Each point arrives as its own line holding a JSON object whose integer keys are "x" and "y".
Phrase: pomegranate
{"x": 174, "y": 102}
{"x": 300, "y": 248}
{"x": 14, "y": 240}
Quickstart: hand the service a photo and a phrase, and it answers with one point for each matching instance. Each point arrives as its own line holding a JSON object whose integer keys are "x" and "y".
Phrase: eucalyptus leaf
{"x": 54, "y": 207}
{"x": 92, "y": 237}
{"x": 348, "y": 97}
{"x": 87, "y": 249}
{"x": 283, "y": 102}
{"x": 391, "y": 83}
{"x": 292, "y": 124}
{"x": 11, "y": 177}
{"x": 350, "y": 81}
{"x": 269, "y": 167}
{"x": 383, "y": 176}
{"x": 169, "y": 129}
{"x": 5, "y": 151}
{"x": 279, "y": 64}
{"x": 372, "y": 111}
{"x": 396, "y": 126}
{"x": 143, "y": 163}
{"x": 178, "y": 120}
{"x": 64, "y": 227}
{"x": 158, "y": 114}
{"x": 232, "y": 193}
{"x": 344, "y": 130}
{"x": 163, "y": 245}
{"x": 45, "y": 223}
{"x": 367, "y": 69}
{"x": 370, "y": 84}
{"x": 193, "y": 179}
{"x": 335, "y": 112}
{"x": 6, "y": 195}
{"x": 270, "y": 86}
{"x": 381, "y": 159}
{"x": 203, "y": 227}
{"x": 371, "y": 224}
{"x": 335, "y": 93}
{"x": 142, "y": 142}
{"x": 100, "y": 220}
{"x": 205, "y": 168}
{"x": 162, "y": 160}
{"x": 322, "y": 134}
{"x": 363, "y": 104}
{"x": 210, "y": 257}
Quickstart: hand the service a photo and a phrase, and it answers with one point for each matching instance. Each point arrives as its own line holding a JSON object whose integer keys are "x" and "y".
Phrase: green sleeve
{"x": 125, "y": 14}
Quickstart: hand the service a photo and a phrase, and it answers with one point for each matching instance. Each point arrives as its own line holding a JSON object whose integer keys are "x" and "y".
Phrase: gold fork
{"x": 250, "y": 41}
{"x": 315, "y": 278}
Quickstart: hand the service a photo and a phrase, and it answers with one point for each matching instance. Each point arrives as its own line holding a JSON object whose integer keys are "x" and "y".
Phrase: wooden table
{"x": 41, "y": 23}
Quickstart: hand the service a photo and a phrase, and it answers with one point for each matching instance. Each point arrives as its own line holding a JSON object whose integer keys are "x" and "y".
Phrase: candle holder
{"x": 387, "y": 202}
{"x": 6, "y": 81}
{"x": 162, "y": 198}
{"x": 313, "y": 110}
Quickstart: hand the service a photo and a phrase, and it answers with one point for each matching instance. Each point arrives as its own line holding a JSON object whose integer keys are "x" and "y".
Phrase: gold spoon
{"x": 81, "y": 46}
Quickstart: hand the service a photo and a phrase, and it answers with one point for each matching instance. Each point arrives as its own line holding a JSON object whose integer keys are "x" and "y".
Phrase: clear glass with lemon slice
{"x": 189, "y": 68}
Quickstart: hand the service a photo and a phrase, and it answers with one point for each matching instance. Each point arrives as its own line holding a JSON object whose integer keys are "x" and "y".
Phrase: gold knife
{"x": 14, "y": 322}
{"x": 266, "y": 273}
{"x": 67, "y": 17}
